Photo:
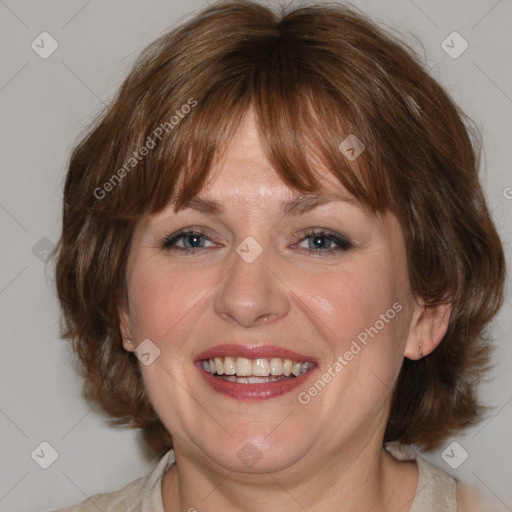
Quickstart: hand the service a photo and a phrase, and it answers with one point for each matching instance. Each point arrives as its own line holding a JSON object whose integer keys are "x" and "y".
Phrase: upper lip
{"x": 252, "y": 352}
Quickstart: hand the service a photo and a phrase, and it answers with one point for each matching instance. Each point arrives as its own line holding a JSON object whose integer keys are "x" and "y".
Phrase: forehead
{"x": 243, "y": 171}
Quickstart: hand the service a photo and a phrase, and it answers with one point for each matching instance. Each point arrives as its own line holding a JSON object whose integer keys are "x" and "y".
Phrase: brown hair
{"x": 313, "y": 75}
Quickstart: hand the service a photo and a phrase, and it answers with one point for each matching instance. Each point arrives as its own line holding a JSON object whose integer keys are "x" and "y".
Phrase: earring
{"x": 420, "y": 351}
{"x": 127, "y": 337}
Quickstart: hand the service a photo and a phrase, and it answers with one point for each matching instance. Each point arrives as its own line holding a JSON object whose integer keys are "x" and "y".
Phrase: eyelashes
{"x": 169, "y": 242}
{"x": 319, "y": 238}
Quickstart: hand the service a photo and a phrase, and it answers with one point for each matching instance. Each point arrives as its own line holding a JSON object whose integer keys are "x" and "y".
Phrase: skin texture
{"x": 317, "y": 456}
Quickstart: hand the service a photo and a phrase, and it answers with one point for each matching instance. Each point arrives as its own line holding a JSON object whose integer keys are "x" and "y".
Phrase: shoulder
{"x": 435, "y": 490}
{"x": 121, "y": 500}
{"x": 136, "y": 496}
{"x": 470, "y": 499}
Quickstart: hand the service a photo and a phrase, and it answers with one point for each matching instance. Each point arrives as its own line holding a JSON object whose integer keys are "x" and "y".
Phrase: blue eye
{"x": 192, "y": 241}
{"x": 320, "y": 242}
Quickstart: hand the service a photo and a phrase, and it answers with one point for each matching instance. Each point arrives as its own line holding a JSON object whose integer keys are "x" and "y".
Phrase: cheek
{"x": 351, "y": 300}
{"x": 166, "y": 300}
{"x": 165, "y": 303}
{"x": 360, "y": 313}
{"x": 365, "y": 323}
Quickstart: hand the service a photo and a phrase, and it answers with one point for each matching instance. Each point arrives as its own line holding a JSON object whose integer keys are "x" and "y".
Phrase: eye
{"x": 192, "y": 240}
{"x": 320, "y": 243}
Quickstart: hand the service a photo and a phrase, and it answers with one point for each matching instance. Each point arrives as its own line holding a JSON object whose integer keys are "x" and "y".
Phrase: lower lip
{"x": 261, "y": 391}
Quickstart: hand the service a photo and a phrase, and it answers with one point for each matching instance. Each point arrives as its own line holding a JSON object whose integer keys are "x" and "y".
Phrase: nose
{"x": 252, "y": 293}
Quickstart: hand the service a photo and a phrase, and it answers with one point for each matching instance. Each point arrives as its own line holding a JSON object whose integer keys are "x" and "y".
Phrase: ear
{"x": 126, "y": 329}
{"x": 427, "y": 329}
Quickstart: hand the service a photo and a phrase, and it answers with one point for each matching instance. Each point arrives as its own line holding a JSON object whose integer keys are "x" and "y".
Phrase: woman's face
{"x": 266, "y": 289}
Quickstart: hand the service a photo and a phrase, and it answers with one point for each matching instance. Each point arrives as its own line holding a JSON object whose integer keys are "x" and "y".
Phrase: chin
{"x": 258, "y": 453}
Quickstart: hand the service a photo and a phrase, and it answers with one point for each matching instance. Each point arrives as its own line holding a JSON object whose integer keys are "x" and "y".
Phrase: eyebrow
{"x": 296, "y": 206}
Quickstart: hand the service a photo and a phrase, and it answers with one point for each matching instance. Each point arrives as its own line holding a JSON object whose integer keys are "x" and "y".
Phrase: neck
{"x": 354, "y": 479}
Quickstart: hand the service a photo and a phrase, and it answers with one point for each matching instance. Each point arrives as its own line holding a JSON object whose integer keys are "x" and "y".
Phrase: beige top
{"x": 436, "y": 489}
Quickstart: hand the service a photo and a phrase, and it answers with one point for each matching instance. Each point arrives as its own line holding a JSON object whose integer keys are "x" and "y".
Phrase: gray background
{"x": 46, "y": 103}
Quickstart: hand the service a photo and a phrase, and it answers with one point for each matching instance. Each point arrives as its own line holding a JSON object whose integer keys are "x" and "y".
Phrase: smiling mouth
{"x": 255, "y": 371}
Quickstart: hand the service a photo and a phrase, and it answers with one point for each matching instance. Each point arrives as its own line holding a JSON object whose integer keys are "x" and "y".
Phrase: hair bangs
{"x": 302, "y": 125}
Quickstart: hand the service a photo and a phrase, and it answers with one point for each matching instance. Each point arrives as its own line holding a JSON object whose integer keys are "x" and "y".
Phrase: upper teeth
{"x": 261, "y": 367}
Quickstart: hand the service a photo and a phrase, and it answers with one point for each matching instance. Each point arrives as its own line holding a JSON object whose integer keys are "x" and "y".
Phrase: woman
{"x": 278, "y": 263}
